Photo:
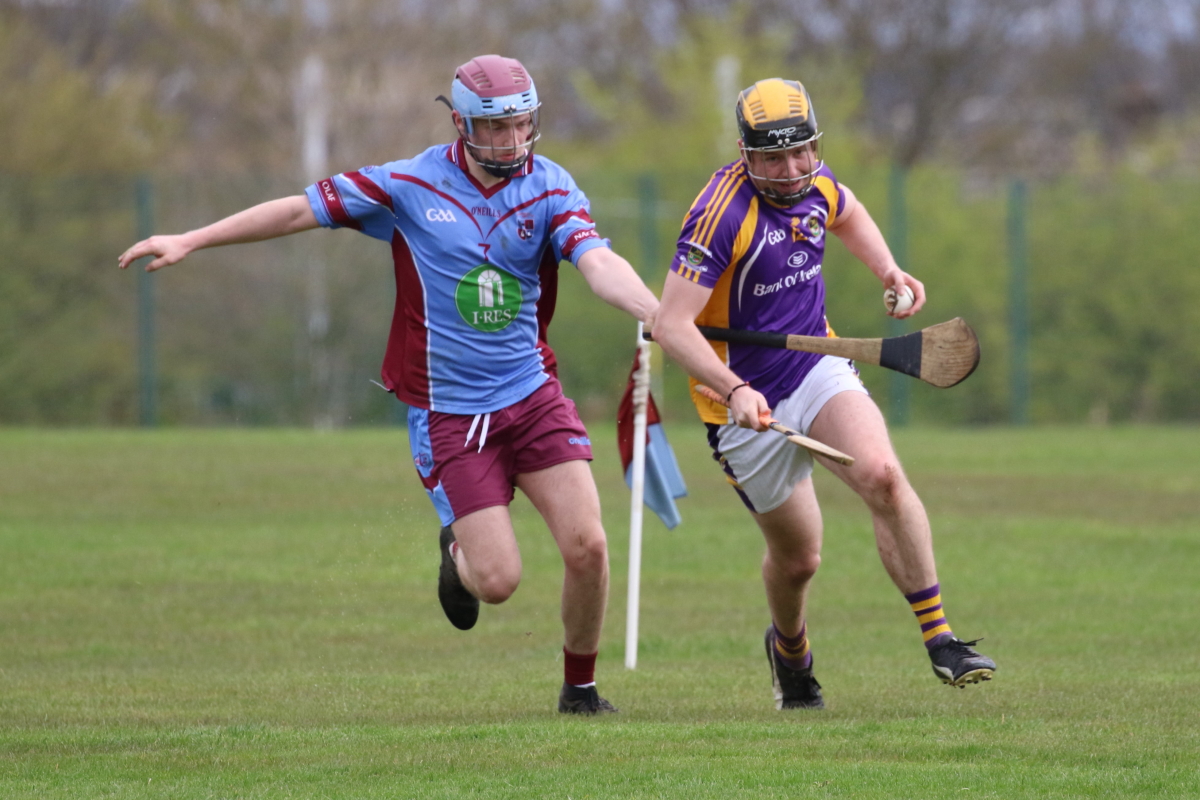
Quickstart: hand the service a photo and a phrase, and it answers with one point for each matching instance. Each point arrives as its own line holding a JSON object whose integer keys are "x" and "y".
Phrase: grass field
{"x": 252, "y": 614}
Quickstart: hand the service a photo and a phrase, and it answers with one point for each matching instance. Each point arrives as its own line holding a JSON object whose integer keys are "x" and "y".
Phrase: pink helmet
{"x": 491, "y": 87}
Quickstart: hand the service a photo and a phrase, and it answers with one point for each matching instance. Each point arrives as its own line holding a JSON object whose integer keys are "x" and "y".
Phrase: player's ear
{"x": 458, "y": 123}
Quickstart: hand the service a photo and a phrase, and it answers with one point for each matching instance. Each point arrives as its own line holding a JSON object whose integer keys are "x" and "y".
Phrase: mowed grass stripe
{"x": 251, "y": 614}
{"x": 613, "y": 759}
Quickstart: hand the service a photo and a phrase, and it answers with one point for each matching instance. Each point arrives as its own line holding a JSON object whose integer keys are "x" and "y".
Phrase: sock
{"x": 927, "y": 605}
{"x": 579, "y": 670}
{"x": 793, "y": 651}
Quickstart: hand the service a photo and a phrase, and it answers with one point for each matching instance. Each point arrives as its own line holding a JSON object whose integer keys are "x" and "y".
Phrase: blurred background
{"x": 1036, "y": 164}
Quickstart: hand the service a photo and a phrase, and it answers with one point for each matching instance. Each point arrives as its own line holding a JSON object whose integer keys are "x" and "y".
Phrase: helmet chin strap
{"x": 766, "y": 186}
{"x": 500, "y": 170}
{"x": 786, "y": 200}
{"x": 497, "y": 169}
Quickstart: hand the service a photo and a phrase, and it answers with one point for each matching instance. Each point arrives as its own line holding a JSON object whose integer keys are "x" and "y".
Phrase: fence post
{"x": 898, "y": 240}
{"x": 647, "y": 190}
{"x": 147, "y": 380}
{"x": 1018, "y": 303}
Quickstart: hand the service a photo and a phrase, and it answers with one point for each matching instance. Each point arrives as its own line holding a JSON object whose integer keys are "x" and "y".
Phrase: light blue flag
{"x": 664, "y": 481}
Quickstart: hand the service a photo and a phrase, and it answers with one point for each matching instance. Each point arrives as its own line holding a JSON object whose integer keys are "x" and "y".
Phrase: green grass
{"x": 251, "y": 614}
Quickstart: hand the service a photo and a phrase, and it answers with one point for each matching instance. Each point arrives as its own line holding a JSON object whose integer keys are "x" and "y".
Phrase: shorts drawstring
{"x": 482, "y": 434}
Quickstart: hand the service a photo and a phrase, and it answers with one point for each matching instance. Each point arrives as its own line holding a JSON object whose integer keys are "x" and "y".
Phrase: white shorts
{"x": 765, "y": 467}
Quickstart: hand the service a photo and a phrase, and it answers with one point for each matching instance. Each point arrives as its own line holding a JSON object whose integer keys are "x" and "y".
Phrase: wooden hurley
{"x": 942, "y": 355}
{"x": 795, "y": 437}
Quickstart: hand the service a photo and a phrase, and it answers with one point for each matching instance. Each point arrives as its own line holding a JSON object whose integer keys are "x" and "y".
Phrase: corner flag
{"x": 651, "y": 473}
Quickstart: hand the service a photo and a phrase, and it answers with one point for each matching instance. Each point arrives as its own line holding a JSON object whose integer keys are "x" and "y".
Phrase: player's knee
{"x": 498, "y": 585}
{"x": 799, "y": 568}
{"x": 587, "y": 553}
{"x": 882, "y": 483}
{"x": 796, "y": 567}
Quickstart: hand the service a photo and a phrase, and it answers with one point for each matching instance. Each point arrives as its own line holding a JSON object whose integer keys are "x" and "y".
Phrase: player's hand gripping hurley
{"x": 795, "y": 437}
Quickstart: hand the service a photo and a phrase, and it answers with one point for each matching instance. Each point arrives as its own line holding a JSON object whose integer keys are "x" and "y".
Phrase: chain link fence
{"x": 291, "y": 332}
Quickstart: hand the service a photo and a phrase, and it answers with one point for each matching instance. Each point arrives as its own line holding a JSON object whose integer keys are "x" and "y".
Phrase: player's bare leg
{"x": 566, "y": 497}
{"x": 793, "y": 533}
{"x": 489, "y": 562}
{"x": 851, "y": 422}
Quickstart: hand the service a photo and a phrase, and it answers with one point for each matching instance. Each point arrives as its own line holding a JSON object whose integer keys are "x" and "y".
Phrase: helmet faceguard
{"x": 498, "y": 104}
{"x": 775, "y": 116}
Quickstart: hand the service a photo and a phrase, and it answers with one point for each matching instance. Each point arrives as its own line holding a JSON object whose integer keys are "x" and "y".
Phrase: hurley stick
{"x": 942, "y": 355}
{"x": 795, "y": 437}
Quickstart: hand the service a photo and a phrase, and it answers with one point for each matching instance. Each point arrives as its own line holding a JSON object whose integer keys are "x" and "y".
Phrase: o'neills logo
{"x": 329, "y": 190}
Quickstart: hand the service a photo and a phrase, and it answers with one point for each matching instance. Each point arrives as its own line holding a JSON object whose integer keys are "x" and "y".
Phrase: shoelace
{"x": 487, "y": 418}
{"x": 961, "y": 648}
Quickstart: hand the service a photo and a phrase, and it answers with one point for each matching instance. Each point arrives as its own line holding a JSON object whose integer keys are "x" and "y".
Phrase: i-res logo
{"x": 440, "y": 215}
{"x": 488, "y": 298}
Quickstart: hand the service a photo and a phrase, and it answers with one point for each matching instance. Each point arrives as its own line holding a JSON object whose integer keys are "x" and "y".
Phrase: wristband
{"x": 729, "y": 397}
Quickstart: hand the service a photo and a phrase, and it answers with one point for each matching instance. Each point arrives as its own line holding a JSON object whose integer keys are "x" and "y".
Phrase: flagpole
{"x": 641, "y": 393}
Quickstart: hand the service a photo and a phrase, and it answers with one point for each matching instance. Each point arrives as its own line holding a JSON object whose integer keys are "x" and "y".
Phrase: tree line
{"x": 1092, "y": 103}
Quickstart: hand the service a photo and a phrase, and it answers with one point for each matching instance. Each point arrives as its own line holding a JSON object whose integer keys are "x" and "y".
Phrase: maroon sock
{"x": 579, "y": 670}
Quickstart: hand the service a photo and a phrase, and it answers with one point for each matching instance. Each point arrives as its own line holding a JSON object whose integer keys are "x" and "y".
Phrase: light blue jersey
{"x": 476, "y": 271}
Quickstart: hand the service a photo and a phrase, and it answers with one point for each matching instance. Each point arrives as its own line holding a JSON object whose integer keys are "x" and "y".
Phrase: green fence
{"x": 292, "y": 331}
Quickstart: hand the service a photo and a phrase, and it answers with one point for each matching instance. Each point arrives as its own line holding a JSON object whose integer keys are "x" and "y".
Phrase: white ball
{"x": 897, "y": 303}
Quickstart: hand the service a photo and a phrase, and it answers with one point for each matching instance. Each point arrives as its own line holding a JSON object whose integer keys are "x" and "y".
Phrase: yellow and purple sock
{"x": 927, "y": 605}
{"x": 793, "y": 650}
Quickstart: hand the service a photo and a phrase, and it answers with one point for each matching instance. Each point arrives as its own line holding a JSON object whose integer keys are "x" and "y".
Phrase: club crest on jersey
{"x": 524, "y": 226}
{"x": 808, "y": 229}
{"x": 694, "y": 256}
{"x": 488, "y": 298}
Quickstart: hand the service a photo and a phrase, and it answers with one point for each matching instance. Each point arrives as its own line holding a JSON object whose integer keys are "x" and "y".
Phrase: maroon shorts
{"x": 532, "y": 434}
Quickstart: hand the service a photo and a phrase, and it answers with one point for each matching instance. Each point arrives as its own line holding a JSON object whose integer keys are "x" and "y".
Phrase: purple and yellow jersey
{"x": 763, "y": 264}
{"x": 476, "y": 271}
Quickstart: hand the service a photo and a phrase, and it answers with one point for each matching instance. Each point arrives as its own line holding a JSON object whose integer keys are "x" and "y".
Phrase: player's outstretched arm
{"x": 862, "y": 237}
{"x": 264, "y": 221}
{"x": 614, "y": 281}
{"x": 676, "y": 332}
